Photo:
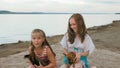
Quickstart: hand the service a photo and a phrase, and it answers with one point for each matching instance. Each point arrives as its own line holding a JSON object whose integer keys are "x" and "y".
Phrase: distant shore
{"x": 106, "y": 39}
{"x": 11, "y": 12}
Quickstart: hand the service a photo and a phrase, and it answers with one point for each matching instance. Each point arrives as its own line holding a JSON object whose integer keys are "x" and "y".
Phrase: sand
{"x": 106, "y": 55}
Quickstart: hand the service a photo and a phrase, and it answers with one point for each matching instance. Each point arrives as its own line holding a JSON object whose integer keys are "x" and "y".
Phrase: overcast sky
{"x": 110, "y": 6}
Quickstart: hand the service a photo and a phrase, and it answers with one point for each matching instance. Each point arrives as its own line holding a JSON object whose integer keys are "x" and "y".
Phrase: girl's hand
{"x": 32, "y": 66}
{"x": 77, "y": 57}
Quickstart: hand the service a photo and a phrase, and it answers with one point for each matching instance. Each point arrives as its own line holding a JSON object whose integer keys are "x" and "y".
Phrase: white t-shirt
{"x": 82, "y": 47}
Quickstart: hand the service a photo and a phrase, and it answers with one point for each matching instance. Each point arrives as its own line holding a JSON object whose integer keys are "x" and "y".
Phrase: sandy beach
{"x": 106, "y": 55}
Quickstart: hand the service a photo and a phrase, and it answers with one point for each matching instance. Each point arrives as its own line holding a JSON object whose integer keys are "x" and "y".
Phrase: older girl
{"x": 77, "y": 40}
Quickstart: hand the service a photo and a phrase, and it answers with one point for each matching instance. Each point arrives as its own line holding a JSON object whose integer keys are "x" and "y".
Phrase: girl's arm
{"x": 51, "y": 58}
{"x": 65, "y": 51}
{"x": 79, "y": 54}
{"x": 84, "y": 53}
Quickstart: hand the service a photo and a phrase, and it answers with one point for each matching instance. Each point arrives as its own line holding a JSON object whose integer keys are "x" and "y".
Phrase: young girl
{"x": 41, "y": 50}
{"x": 77, "y": 40}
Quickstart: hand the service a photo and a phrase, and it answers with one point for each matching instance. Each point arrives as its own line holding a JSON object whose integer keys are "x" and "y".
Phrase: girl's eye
{"x": 39, "y": 37}
{"x": 72, "y": 24}
{"x": 36, "y": 38}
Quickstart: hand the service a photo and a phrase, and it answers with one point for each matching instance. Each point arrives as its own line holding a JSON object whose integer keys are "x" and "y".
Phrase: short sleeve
{"x": 89, "y": 45}
{"x": 63, "y": 42}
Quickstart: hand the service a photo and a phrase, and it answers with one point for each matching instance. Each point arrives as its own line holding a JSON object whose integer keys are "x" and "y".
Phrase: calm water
{"x": 18, "y": 27}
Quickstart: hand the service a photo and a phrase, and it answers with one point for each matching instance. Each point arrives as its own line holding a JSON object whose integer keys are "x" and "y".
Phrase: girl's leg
{"x": 65, "y": 61}
{"x": 77, "y": 65}
{"x": 85, "y": 61}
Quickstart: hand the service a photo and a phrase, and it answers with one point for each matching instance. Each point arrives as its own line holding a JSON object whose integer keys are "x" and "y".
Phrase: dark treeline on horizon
{"x": 10, "y": 12}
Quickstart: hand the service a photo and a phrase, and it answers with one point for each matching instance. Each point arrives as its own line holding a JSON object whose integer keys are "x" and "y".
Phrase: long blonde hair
{"x": 45, "y": 43}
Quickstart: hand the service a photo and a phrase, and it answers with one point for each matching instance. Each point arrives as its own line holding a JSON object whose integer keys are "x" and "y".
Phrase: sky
{"x": 92, "y": 6}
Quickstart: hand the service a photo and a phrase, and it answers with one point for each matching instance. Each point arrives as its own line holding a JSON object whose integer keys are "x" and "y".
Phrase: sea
{"x": 15, "y": 27}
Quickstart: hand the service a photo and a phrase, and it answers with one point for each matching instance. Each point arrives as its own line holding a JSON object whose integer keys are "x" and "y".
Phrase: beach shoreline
{"x": 106, "y": 39}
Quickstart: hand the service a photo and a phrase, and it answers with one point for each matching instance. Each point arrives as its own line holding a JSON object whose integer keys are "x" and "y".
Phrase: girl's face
{"x": 73, "y": 24}
{"x": 37, "y": 39}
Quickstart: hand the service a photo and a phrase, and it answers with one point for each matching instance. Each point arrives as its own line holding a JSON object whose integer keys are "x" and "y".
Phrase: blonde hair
{"x": 45, "y": 43}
